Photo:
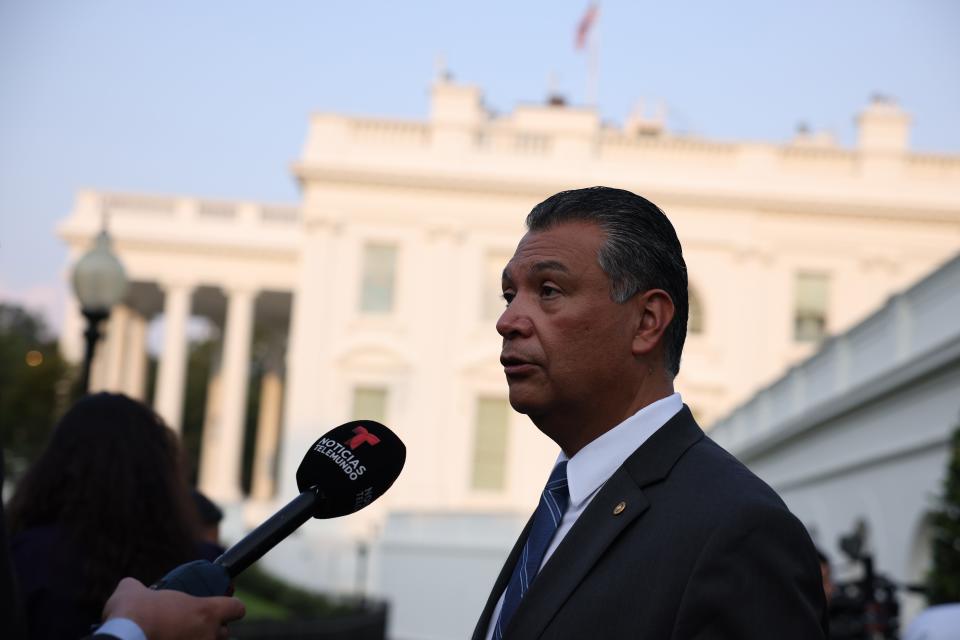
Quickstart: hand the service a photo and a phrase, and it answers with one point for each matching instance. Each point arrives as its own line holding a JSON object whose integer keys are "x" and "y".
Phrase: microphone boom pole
{"x": 354, "y": 464}
{"x": 280, "y": 525}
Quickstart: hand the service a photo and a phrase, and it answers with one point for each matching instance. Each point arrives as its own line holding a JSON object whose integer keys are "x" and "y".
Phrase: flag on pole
{"x": 586, "y": 23}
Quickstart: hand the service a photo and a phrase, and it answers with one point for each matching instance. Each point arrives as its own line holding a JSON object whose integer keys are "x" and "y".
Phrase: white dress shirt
{"x": 122, "y": 628}
{"x": 593, "y": 465}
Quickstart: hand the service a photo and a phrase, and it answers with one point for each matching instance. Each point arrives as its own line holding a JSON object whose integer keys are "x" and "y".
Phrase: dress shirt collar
{"x": 590, "y": 467}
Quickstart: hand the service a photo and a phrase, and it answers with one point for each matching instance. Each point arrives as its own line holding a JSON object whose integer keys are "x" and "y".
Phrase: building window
{"x": 492, "y": 288}
{"x": 369, "y": 403}
{"x": 695, "y": 318}
{"x": 379, "y": 267}
{"x": 490, "y": 445}
{"x": 810, "y": 304}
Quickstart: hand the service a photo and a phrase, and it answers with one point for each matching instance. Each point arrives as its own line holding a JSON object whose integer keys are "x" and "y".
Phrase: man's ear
{"x": 655, "y": 311}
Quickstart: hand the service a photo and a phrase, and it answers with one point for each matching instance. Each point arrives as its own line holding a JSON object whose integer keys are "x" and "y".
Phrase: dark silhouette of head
{"x": 112, "y": 482}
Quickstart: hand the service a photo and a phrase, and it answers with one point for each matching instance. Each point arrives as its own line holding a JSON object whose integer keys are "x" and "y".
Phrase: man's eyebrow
{"x": 537, "y": 267}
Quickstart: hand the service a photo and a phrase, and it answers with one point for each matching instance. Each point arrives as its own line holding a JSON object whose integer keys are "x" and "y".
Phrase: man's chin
{"x": 525, "y": 403}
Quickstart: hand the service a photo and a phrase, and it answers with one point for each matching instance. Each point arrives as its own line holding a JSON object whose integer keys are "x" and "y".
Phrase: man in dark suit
{"x": 646, "y": 528}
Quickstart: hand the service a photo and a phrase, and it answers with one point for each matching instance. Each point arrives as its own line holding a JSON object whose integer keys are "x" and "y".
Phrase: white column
{"x": 237, "y": 337}
{"x": 209, "y": 470}
{"x": 98, "y": 365}
{"x": 114, "y": 349}
{"x": 171, "y": 374}
{"x": 769, "y": 327}
{"x": 434, "y": 387}
{"x": 308, "y": 402}
{"x": 71, "y": 335}
{"x": 268, "y": 435}
{"x": 135, "y": 358}
{"x": 105, "y": 369}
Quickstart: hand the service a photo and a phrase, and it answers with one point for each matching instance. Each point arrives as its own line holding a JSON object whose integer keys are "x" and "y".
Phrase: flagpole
{"x": 593, "y": 62}
{"x": 587, "y": 37}
{"x": 593, "y": 74}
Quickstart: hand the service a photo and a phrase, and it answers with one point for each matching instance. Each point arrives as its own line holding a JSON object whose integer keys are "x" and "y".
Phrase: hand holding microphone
{"x": 343, "y": 472}
{"x": 170, "y": 615}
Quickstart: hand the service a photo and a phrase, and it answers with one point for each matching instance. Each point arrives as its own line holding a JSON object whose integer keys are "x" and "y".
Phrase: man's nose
{"x": 513, "y": 322}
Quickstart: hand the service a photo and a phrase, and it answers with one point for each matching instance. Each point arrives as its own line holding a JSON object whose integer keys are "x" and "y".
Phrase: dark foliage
{"x": 33, "y": 379}
{"x": 298, "y": 601}
{"x": 943, "y": 583}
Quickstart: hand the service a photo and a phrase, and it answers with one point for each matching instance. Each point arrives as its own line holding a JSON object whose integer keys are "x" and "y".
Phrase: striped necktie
{"x": 546, "y": 519}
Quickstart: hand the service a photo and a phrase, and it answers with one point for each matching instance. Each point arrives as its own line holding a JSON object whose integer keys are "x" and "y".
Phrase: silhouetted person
{"x": 107, "y": 499}
{"x": 209, "y": 515}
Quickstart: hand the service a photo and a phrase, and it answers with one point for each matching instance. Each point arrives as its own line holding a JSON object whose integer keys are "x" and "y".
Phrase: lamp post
{"x": 99, "y": 282}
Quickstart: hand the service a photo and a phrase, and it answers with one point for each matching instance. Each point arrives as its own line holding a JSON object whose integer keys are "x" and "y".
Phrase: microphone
{"x": 344, "y": 471}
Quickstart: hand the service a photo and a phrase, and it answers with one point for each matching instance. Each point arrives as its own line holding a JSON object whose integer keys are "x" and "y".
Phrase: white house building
{"x": 379, "y": 292}
{"x": 859, "y": 434}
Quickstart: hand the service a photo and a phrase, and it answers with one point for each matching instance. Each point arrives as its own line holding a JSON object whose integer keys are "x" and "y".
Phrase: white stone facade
{"x": 860, "y": 432}
{"x": 447, "y": 197}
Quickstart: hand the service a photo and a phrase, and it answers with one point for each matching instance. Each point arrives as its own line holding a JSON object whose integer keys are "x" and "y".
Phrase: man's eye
{"x": 508, "y": 297}
{"x": 547, "y": 291}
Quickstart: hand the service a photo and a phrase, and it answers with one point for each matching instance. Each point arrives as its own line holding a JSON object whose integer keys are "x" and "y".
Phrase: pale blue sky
{"x": 211, "y": 98}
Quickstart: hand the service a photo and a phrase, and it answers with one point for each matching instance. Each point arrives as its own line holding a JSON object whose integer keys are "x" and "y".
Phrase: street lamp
{"x": 99, "y": 283}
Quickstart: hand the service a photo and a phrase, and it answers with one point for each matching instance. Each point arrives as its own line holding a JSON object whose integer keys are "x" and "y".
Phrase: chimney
{"x": 883, "y": 127}
{"x": 456, "y": 113}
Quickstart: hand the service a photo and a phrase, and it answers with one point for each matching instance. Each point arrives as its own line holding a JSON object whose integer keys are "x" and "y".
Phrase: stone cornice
{"x": 928, "y": 364}
{"x": 79, "y": 235}
{"x": 799, "y": 203}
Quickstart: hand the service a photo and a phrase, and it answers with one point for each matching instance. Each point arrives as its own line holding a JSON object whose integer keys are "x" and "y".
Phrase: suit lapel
{"x": 598, "y": 527}
{"x": 594, "y": 531}
{"x": 654, "y": 459}
{"x": 480, "y": 631}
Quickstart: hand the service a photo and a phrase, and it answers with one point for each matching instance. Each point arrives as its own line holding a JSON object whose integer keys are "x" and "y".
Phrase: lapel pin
{"x": 617, "y": 510}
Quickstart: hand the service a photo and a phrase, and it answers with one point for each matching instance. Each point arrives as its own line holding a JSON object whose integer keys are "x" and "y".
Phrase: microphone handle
{"x": 198, "y": 578}
{"x": 281, "y": 524}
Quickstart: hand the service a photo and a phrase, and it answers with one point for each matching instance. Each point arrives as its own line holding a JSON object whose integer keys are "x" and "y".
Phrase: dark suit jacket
{"x": 703, "y": 549}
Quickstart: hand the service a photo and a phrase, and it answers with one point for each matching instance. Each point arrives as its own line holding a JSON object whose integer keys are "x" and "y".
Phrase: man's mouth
{"x": 515, "y": 365}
